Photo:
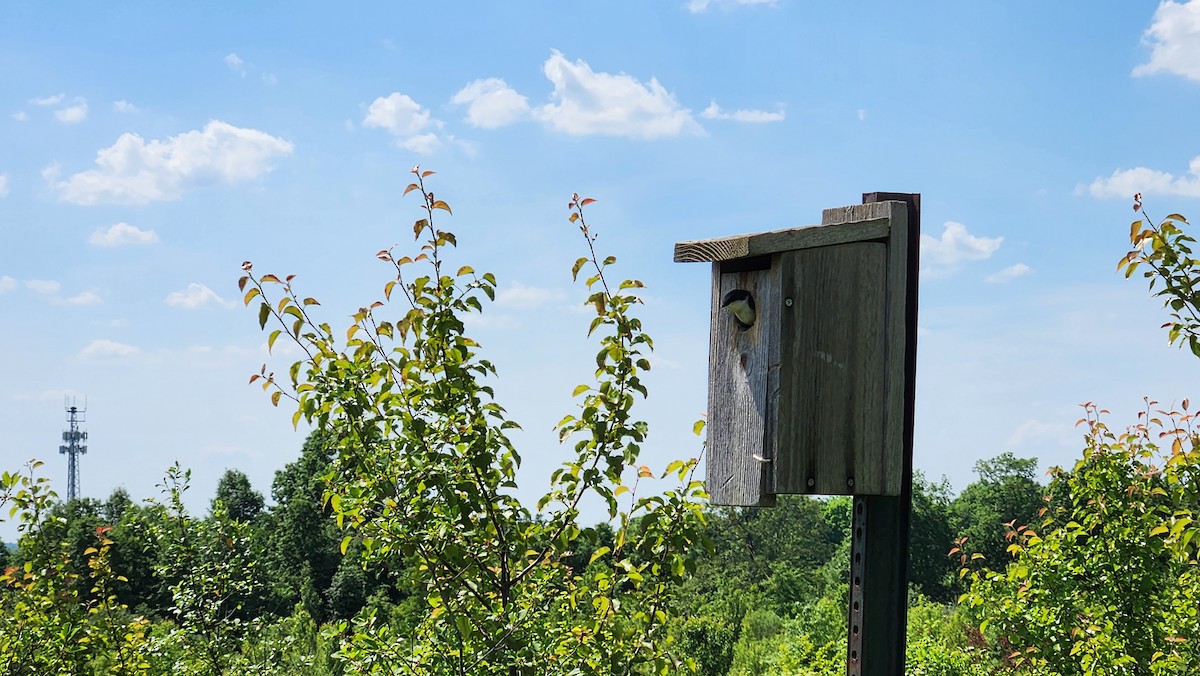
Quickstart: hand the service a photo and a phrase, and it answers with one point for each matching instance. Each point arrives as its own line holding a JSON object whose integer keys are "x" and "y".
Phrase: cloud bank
{"x": 136, "y": 171}
{"x": 1174, "y": 38}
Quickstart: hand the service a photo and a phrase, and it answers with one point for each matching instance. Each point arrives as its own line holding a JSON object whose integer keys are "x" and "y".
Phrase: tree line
{"x": 250, "y": 580}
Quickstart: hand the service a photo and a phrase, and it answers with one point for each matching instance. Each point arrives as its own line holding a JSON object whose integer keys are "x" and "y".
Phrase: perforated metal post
{"x": 878, "y": 613}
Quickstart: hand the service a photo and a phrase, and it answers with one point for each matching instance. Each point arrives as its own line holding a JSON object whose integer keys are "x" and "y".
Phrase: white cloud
{"x": 697, "y": 6}
{"x": 7, "y": 284}
{"x": 20, "y": 116}
{"x": 423, "y": 144}
{"x": 53, "y": 100}
{"x": 235, "y": 64}
{"x": 1174, "y": 37}
{"x": 124, "y": 106}
{"x": 940, "y": 256}
{"x": 270, "y": 79}
{"x": 194, "y": 296}
{"x": 107, "y": 348}
{"x": 45, "y": 287}
{"x": 862, "y": 114}
{"x": 398, "y": 114}
{"x": 405, "y": 119}
{"x": 524, "y": 297}
{"x": 714, "y": 112}
{"x": 491, "y": 103}
{"x": 120, "y": 234}
{"x": 587, "y": 102}
{"x": 134, "y": 171}
{"x": 85, "y": 298}
{"x": 73, "y": 114}
{"x": 3, "y": 185}
{"x": 1008, "y": 274}
{"x": 1126, "y": 182}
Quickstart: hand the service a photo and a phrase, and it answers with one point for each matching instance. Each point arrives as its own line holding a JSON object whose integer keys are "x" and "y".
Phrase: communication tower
{"x": 74, "y": 445}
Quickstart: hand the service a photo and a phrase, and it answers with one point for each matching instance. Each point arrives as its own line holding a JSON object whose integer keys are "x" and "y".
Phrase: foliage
{"x": 214, "y": 579}
{"x": 1167, "y": 250}
{"x": 942, "y": 642}
{"x": 930, "y": 537}
{"x": 49, "y": 626}
{"x": 770, "y": 645}
{"x": 236, "y": 497}
{"x": 1005, "y": 493}
{"x": 1106, "y": 582}
{"x": 424, "y": 474}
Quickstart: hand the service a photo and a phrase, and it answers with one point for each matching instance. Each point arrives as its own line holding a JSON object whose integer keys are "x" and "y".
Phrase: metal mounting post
{"x": 878, "y": 613}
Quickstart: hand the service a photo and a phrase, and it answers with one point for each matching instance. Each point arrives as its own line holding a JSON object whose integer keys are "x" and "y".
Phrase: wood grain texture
{"x": 854, "y": 213}
{"x": 737, "y": 395}
{"x": 831, "y": 390}
{"x": 776, "y": 241}
{"x": 898, "y": 386}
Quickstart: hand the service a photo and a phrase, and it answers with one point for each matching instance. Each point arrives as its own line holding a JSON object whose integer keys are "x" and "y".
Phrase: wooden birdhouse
{"x": 809, "y": 396}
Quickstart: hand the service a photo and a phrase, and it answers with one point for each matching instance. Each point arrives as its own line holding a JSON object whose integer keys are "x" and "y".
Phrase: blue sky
{"x": 147, "y": 150}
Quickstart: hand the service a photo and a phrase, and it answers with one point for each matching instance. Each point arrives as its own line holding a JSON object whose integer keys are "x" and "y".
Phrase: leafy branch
{"x": 1166, "y": 250}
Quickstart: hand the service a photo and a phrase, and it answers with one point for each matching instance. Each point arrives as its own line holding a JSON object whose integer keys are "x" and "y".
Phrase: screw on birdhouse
{"x": 812, "y": 482}
{"x": 850, "y": 482}
{"x": 759, "y": 458}
{"x": 787, "y": 302}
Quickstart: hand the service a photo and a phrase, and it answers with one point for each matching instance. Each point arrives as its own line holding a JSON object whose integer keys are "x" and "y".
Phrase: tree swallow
{"x": 741, "y": 304}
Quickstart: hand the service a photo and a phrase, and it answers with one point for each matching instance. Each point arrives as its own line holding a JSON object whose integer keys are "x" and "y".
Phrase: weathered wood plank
{"x": 831, "y": 394}
{"x": 775, "y": 241}
{"x": 836, "y": 216}
{"x": 738, "y": 416}
{"x": 896, "y": 359}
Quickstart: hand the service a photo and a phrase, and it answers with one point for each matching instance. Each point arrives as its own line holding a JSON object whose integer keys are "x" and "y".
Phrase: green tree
{"x": 931, "y": 535}
{"x": 1105, "y": 582}
{"x": 216, "y": 585}
{"x": 1006, "y": 492}
{"x": 238, "y": 498}
{"x": 424, "y": 477}
{"x": 47, "y": 624}
{"x": 302, "y": 539}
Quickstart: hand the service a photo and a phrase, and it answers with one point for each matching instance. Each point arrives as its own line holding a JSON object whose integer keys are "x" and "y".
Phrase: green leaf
{"x": 580, "y": 390}
{"x": 599, "y": 553}
{"x": 577, "y": 267}
{"x": 264, "y": 312}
